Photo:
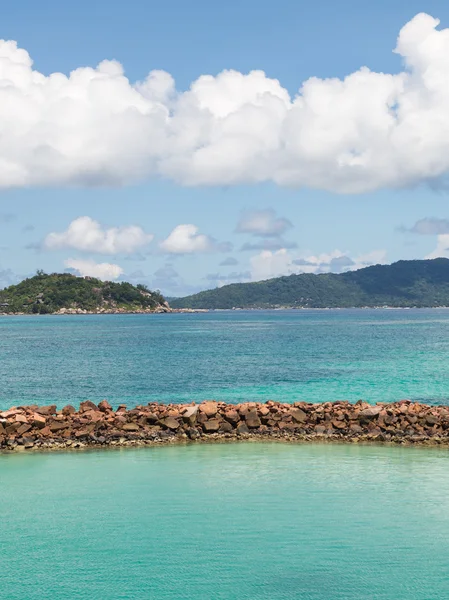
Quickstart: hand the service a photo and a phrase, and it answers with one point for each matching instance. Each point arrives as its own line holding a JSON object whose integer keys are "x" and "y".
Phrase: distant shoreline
{"x": 29, "y": 428}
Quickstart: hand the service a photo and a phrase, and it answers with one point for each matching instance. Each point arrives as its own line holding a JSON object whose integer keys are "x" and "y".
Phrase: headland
{"x": 46, "y": 428}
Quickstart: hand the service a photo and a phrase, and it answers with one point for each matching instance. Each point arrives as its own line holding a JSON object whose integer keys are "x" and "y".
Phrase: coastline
{"x": 31, "y": 428}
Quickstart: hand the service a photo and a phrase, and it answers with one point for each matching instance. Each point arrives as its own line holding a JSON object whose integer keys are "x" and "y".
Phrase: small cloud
{"x": 28, "y": 228}
{"x": 186, "y": 239}
{"x": 428, "y": 226}
{"x": 87, "y": 235}
{"x": 104, "y": 271}
{"x": 229, "y": 261}
{"x": 263, "y": 223}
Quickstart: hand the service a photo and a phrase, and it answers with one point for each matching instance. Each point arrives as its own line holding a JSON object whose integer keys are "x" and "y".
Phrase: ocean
{"x": 316, "y": 356}
{"x": 240, "y": 521}
{"x": 243, "y": 521}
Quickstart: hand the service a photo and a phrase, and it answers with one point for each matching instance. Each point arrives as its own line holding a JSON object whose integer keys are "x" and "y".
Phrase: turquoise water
{"x": 377, "y": 355}
{"x": 242, "y": 521}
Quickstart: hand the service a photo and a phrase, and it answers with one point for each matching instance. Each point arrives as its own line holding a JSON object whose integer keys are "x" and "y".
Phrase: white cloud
{"x": 263, "y": 223}
{"x": 367, "y": 131}
{"x": 267, "y": 264}
{"x": 185, "y": 239}
{"x": 104, "y": 271}
{"x": 87, "y": 235}
{"x": 442, "y": 249}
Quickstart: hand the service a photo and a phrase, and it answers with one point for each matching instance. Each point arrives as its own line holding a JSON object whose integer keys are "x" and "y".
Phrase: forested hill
{"x": 404, "y": 283}
{"x": 60, "y": 293}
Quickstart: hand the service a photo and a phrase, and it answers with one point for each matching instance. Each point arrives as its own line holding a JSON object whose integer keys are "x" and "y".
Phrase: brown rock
{"x": 298, "y": 415}
{"x": 170, "y": 423}
{"x": 87, "y": 405}
{"x": 211, "y": 425}
{"x": 68, "y": 410}
{"x": 130, "y": 427}
{"x": 370, "y": 413}
{"x": 232, "y": 416}
{"x": 23, "y": 428}
{"x": 252, "y": 419}
{"x": 209, "y": 408}
{"x": 226, "y": 427}
{"x": 46, "y": 410}
{"x": 104, "y": 406}
{"x": 242, "y": 428}
{"x": 339, "y": 424}
{"x": 58, "y": 425}
{"x": 189, "y": 415}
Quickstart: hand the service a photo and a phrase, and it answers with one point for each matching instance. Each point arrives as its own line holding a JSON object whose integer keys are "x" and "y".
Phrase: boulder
{"x": 58, "y": 425}
{"x": 87, "y": 405}
{"x": 46, "y": 410}
{"x": 298, "y": 415}
{"x": 252, "y": 419}
{"x": 232, "y": 416}
{"x": 104, "y": 406}
{"x": 170, "y": 423}
{"x": 242, "y": 428}
{"x": 209, "y": 408}
{"x": 68, "y": 410}
{"x": 371, "y": 412}
{"x": 130, "y": 427}
{"x": 189, "y": 415}
{"x": 211, "y": 425}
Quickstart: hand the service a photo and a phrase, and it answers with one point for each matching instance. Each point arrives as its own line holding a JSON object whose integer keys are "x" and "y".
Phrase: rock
{"x": 226, "y": 427}
{"x": 68, "y": 410}
{"x": 170, "y": 423}
{"x": 87, "y": 405}
{"x": 209, "y": 408}
{"x": 58, "y": 425}
{"x": 130, "y": 427}
{"x": 242, "y": 428}
{"x": 23, "y": 429}
{"x": 252, "y": 419}
{"x": 370, "y": 413}
{"x": 338, "y": 424}
{"x": 46, "y": 410}
{"x": 298, "y": 415}
{"x": 190, "y": 414}
{"x": 211, "y": 425}
{"x": 320, "y": 429}
{"x": 232, "y": 416}
{"x": 432, "y": 420}
{"x": 104, "y": 406}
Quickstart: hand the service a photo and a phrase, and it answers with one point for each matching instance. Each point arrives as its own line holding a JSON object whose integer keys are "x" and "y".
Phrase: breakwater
{"x": 45, "y": 427}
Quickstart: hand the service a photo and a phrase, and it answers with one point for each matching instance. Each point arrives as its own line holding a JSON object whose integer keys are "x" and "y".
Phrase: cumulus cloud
{"x": 442, "y": 249}
{"x": 94, "y": 127}
{"x": 87, "y": 235}
{"x": 186, "y": 239}
{"x": 267, "y": 264}
{"x": 104, "y": 271}
{"x": 263, "y": 223}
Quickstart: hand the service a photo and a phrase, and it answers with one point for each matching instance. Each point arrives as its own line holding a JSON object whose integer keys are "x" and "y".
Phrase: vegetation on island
{"x": 406, "y": 283}
{"x": 46, "y": 294}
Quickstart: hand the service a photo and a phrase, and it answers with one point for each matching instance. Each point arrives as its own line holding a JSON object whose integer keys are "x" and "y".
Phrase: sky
{"x": 190, "y": 145}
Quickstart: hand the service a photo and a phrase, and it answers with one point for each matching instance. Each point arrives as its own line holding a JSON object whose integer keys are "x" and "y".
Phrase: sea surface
{"x": 243, "y": 521}
{"x": 311, "y": 355}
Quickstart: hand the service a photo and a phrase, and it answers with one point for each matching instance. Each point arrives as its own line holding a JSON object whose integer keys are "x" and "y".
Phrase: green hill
{"x": 404, "y": 283}
{"x": 44, "y": 294}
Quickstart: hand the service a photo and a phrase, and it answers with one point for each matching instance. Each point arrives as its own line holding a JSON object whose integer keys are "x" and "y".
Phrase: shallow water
{"x": 378, "y": 355}
{"x": 228, "y": 521}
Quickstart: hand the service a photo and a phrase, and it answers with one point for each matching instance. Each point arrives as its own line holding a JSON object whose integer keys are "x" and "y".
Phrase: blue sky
{"x": 311, "y": 219}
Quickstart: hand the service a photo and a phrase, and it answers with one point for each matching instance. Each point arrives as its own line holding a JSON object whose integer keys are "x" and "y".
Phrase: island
{"x": 406, "y": 283}
{"x": 63, "y": 293}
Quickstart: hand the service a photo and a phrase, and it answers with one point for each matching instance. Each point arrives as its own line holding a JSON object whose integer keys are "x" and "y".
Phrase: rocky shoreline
{"x": 46, "y": 428}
